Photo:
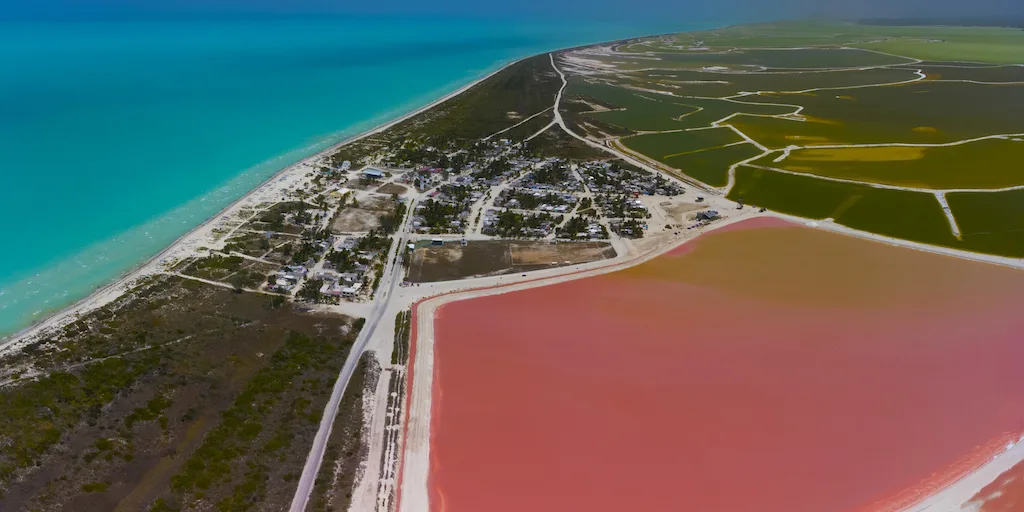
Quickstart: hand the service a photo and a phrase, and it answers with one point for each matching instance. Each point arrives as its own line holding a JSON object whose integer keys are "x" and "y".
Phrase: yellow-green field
{"x": 985, "y": 164}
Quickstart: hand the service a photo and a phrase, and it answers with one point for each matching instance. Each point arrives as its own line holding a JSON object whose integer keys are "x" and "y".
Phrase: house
{"x": 351, "y": 291}
{"x": 373, "y": 174}
{"x": 707, "y": 215}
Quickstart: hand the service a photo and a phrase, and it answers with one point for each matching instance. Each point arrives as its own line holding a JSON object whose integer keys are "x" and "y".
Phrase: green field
{"x": 810, "y": 58}
{"x": 908, "y": 215}
{"x": 717, "y": 84}
{"x": 918, "y": 113}
{"x": 985, "y": 45}
{"x": 645, "y": 111}
{"x": 991, "y": 222}
{"x": 663, "y": 145}
{"x": 980, "y": 74}
{"x": 704, "y": 155}
{"x": 785, "y": 59}
{"x": 946, "y": 43}
{"x": 712, "y": 166}
{"x": 807, "y": 84}
{"x": 990, "y": 163}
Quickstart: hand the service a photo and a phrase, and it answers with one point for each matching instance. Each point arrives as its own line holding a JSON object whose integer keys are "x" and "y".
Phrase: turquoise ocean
{"x": 117, "y": 137}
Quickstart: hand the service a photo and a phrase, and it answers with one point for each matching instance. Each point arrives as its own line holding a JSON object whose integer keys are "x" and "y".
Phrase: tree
{"x": 237, "y": 282}
{"x": 311, "y": 290}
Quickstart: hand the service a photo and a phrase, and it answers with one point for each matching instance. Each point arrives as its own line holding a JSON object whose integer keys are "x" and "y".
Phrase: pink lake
{"x": 764, "y": 367}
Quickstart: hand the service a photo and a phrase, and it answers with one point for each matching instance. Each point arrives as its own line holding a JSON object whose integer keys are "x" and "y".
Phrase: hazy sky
{"x": 725, "y": 10}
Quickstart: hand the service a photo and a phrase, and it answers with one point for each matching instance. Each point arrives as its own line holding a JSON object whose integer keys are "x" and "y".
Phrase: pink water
{"x": 765, "y": 368}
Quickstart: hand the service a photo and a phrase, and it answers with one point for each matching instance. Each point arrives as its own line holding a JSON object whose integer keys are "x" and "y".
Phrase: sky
{"x": 684, "y": 10}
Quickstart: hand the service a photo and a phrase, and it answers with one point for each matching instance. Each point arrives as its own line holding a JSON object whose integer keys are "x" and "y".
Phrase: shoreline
{"x": 153, "y": 265}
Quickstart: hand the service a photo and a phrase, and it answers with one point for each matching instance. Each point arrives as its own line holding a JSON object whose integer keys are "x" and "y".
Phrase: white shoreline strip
{"x": 957, "y": 495}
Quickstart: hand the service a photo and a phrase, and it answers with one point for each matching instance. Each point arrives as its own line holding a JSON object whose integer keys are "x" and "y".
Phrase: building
{"x": 351, "y": 291}
{"x": 374, "y": 174}
{"x": 707, "y": 215}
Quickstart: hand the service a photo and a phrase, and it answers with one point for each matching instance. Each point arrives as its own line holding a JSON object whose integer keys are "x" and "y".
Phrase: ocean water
{"x": 118, "y": 137}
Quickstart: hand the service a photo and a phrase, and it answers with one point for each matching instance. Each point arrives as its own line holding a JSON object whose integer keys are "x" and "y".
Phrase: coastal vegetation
{"x": 177, "y": 394}
{"x": 514, "y": 93}
{"x": 348, "y": 446}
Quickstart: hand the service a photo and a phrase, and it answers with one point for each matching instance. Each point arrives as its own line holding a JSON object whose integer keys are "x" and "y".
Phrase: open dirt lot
{"x": 454, "y": 261}
{"x": 360, "y": 218}
{"x": 392, "y": 188}
{"x": 676, "y": 211}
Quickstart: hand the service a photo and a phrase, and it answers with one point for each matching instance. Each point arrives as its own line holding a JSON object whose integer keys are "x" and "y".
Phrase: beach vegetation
{"x": 146, "y": 375}
{"x": 311, "y": 290}
{"x": 348, "y": 445}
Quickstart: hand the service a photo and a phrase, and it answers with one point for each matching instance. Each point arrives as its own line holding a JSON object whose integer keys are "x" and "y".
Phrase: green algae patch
{"x": 664, "y": 145}
{"x": 718, "y": 84}
{"x": 753, "y": 59}
{"x": 712, "y": 166}
{"x": 991, "y": 74}
{"x": 985, "y": 164}
{"x": 711, "y": 110}
{"x": 950, "y": 111}
{"x": 990, "y": 222}
{"x": 925, "y": 42}
{"x": 801, "y": 58}
{"x": 997, "y": 47}
{"x": 653, "y": 111}
{"x": 635, "y": 110}
{"x": 909, "y": 215}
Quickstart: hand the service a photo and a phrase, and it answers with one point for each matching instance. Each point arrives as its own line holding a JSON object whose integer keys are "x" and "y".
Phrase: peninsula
{"x": 773, "y": 265}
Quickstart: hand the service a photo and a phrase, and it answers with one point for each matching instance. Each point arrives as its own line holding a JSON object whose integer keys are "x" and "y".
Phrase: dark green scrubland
{"x": 178, "y": 396}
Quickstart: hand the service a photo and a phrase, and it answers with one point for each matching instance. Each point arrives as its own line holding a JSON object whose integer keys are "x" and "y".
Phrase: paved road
{"x": 386, "y": 290}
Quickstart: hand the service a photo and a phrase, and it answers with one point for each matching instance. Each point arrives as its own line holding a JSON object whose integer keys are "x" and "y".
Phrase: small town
{"x": 327, "y": 241}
